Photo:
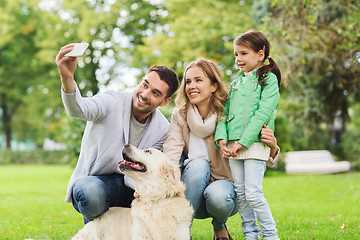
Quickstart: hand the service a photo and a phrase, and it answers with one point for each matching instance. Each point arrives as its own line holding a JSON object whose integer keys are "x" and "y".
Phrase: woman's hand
{"x": 267, "y": 136}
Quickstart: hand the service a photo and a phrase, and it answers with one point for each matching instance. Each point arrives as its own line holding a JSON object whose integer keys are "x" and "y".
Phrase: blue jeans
{"x": 94, "y": 195}
{"x": 248, "y": 176}
{"x": 216, "y": 200}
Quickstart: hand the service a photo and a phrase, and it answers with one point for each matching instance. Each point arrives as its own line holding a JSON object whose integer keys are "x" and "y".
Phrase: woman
{"x": 206, "y": 174}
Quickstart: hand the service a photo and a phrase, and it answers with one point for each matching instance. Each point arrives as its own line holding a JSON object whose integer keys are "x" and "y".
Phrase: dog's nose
{"x": 126, "y": 145}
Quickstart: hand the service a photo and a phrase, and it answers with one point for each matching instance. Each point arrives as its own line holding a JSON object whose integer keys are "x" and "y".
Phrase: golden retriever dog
{"x": 160, "y": 213}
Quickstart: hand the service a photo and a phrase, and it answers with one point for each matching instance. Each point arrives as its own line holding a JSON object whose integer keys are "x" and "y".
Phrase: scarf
{"x": 199, "y": 129}
{"x": 198, "y": 126}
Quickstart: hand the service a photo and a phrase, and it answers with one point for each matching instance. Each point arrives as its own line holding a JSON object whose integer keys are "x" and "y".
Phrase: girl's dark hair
{"x": 257, "y": 41}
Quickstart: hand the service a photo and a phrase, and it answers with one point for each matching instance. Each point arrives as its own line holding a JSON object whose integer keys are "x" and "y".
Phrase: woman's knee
{"x": 220, "y": 196}
{"x": 195, "y": 171}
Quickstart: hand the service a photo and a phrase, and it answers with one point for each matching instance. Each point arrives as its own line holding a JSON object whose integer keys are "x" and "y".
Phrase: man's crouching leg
{"x": 90, "y": 197}
{"x": 94, "y": 195}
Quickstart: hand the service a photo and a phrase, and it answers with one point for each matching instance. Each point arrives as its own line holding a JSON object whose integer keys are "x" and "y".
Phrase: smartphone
{"x": 78, "y": 50}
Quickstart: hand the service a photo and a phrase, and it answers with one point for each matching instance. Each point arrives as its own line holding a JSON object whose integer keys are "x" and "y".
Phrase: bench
{"x": 314, "y": 162}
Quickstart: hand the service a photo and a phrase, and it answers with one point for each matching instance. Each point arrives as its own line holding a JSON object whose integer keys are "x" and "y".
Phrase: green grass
{"x": 304, "y": 207}
{"x": 32, "y": 203}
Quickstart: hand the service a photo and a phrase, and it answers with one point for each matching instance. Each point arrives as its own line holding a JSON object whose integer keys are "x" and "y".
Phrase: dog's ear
{"x": 171, "y": 175}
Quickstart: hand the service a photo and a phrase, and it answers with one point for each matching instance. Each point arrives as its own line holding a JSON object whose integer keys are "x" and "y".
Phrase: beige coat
{"x": 178, "y": 141}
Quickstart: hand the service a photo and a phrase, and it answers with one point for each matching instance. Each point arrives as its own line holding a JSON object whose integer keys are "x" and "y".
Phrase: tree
{"x": 21, "y": 64}
{"x": 196, "y": 29}
{"x": 33, "y": 32}
{"x": 318, "y": 49}
{"x": 113, "y": 29}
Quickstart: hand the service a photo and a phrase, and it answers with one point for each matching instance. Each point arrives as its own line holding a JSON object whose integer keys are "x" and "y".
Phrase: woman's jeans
{"x": 248, "y": 176}
{"x": 94, "y": 195}
{"x": 216, "y": 200}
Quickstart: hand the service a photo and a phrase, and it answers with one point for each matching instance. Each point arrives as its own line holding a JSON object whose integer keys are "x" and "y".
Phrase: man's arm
{"x": 66, "y": 67}
{"x": 89, "y": 109}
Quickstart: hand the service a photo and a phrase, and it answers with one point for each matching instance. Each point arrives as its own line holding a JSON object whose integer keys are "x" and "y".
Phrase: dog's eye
{"x": 147, "y": 151}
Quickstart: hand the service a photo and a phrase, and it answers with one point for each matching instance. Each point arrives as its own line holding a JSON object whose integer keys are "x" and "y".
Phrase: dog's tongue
{"x": 131, "y": 164}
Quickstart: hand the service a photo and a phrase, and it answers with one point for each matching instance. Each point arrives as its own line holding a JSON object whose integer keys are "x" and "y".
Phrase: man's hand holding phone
{"x": 66, "y": 61}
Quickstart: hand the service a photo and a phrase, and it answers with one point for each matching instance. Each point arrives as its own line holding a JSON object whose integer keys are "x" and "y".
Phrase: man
{"x": 113, "y": 119}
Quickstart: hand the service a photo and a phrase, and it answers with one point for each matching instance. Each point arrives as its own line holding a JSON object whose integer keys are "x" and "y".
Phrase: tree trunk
{"x": 6, "y": 121}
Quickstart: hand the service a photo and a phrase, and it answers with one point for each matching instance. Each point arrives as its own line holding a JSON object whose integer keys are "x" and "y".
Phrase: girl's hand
{"x": 224, "y": 151}
{"x": 235, "y": 149}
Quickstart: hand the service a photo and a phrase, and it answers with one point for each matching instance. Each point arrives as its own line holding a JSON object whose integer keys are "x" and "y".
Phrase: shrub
{"x": 350, "y": 144}
{"x": 33, "y": 157}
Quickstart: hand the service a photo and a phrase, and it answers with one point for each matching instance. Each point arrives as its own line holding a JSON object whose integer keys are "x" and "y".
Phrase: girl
{"x": 206, "y": 174}
{"x": 253, "y": 101}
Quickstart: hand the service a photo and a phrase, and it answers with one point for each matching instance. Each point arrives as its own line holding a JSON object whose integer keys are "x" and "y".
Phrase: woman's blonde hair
{"x": 218, "y": 98}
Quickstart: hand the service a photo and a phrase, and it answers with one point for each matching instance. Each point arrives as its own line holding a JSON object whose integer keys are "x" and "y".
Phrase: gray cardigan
{"x": 106, "y": 131}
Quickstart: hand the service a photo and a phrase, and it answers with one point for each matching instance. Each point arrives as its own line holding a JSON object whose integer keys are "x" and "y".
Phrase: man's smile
{"x": 142, "y": 101}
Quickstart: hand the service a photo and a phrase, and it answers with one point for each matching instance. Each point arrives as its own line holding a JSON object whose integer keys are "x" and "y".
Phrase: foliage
{"x": 315, "y": 43}
{"x": 113, "y": 30}
{"x": 351, "y": 147}
{"x": 33, "y": 157}
{"x": 317, "y": 46}
{"x": 282, "y": 133}
{"x": 24, "y": 59}
{"x": 196, "y": 29}
{"x": 73, "y": 133}
{"x": 44, "y": 114}
{"x": 319, "y": 61}
{"x": 29, "y": 29}
{"x": 140, "y": 24}
{"x": 304, "y": 207}
{"x": 350, "y": 139}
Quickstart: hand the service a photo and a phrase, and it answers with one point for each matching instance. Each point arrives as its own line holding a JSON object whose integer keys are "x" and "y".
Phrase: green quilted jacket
{"x": 248, "y": 107}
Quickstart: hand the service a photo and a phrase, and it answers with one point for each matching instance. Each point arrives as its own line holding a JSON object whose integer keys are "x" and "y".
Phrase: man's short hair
{"x": 168, "y": 76}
